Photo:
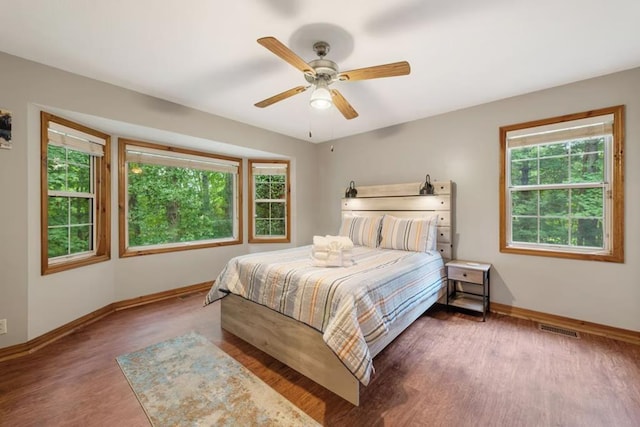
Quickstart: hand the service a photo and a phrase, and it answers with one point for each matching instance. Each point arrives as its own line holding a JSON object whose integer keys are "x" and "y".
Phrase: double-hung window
{"x": 562, "y": 186}
{"x": 174, "y": 199}
{"x": 269, "y": 201}
{"x": 75, "y": 194}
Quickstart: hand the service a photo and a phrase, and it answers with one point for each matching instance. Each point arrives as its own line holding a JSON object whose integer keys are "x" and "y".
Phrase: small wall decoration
{"x": 5, "y": 129}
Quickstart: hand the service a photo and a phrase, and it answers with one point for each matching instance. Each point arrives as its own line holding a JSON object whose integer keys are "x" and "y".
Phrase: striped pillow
{"x": 362, "y": 230}
{"x": 409, "y": 234}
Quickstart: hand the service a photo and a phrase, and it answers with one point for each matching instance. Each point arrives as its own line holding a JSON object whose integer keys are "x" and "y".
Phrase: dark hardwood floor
{"x": 447, "y": 369}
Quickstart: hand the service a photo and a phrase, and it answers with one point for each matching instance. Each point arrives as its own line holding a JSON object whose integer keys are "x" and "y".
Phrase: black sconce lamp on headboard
{"x": 427, "y": 188}
{"x": 351, "y": 190}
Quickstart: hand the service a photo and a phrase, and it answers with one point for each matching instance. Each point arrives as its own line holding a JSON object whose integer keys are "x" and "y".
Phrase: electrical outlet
{"x": 3, "y": 326}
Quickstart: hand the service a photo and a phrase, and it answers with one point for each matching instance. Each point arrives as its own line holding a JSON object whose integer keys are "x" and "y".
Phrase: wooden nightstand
{"x": 475, "y": 295}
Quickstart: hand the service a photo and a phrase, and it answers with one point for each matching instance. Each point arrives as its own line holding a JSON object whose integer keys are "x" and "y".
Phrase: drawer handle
{"x": 464, "y": 274}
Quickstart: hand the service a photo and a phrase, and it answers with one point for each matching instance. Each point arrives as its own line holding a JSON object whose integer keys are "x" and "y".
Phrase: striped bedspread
{"x": 352, "y": 306}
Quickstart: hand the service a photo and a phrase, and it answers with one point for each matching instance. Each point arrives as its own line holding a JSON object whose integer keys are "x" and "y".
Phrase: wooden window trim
{"x": 287, "y": 237}
{"x": 616, "y": 252}
{"x": 102, "y": 218}
{"x": 124, "y": 251}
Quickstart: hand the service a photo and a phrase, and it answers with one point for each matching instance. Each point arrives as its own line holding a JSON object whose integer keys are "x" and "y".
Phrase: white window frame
{"x": 607, "y": 122}
{"x": 269, "y": 167}
{"x": 158, "y": 154}
{"x": 56, "y": 131}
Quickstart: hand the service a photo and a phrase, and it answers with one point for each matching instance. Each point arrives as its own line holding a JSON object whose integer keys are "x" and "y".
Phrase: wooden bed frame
{"x": 302, "y": 347}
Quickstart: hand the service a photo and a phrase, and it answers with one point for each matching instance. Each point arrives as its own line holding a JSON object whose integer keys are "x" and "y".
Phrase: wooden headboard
{"x": 404, "y": 200}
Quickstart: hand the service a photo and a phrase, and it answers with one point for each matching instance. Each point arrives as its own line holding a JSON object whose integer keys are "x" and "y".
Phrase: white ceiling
{"x": 203, "y": 53}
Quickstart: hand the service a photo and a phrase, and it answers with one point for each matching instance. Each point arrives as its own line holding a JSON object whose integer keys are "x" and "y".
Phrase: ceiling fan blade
{"x": 287, "y": 54}
{"x": 279, "y": 97}
{"x": 388, "y": 70}
{"x": 343, "y": 105}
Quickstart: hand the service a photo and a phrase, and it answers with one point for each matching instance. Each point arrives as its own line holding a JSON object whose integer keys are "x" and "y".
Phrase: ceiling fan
{"x": 320, "y": 73}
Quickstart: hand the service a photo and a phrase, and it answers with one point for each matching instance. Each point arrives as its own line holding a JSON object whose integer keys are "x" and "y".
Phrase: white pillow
{"x": 362, "y": 230}
{"x": 409, "y": 234}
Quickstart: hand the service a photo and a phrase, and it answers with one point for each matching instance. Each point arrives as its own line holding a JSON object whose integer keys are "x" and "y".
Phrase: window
{"x": 562, "y": 186}
{"x": 175, "y": 199}
{"x": 269, "y": 201}
{"x": 75, "y": 194}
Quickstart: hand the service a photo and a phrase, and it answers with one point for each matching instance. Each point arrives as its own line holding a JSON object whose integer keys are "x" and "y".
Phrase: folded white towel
{"x": 320, "y": 255}
{"x": 345, "y": 242}
{"x": 332, "y": 251}
{"x": 332, "y": 242}
{"x": 320, "y": 241}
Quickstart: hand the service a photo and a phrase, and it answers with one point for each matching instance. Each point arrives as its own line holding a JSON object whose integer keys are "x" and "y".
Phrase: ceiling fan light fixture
{"x": 321, "y": 97}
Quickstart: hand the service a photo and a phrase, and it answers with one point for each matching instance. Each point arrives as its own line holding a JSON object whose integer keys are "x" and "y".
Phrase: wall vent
{"x": 558, "y": 331}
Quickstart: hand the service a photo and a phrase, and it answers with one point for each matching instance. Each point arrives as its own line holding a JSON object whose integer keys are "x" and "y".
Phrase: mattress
{"x": 353, "y": 307}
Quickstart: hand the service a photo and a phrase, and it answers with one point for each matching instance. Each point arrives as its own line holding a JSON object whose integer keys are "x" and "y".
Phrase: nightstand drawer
{"x": 465, "y": 275}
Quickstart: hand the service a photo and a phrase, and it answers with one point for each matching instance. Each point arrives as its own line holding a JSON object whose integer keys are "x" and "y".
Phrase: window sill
{"x": 614, "y": 256}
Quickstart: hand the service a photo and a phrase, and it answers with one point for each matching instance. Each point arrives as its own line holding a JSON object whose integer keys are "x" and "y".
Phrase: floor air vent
{"x": 558, "y": 331}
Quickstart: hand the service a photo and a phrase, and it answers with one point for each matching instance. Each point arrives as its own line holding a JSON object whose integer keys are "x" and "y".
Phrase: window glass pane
{"x": 587, "y": 232}
{"x": 587, "y": 167}
{"x": 554, "y": 170}
{"x": 554, "y": 150}
{"x": 587, "y": 202}
{"x": 270, "y": 218}
{"x": 262, "y": 227}
{"x": 277, "y": 191}
{"x": 263, "y": 191}
{"x": 56, "y": 154}
{"x": 57, "y": 175}
{"x": 80, "y": 210}
{"x": 554, "y": 202}
{"x": 58, "y": 242}
{"x": 81, "y": 239}
{"x": 278, "y": 227}
{"x": 525, "y": 202}
{"x": 79, "y": 178}
{"x": 263, "y": 210}
{"x": 277, "y": 210}
{"x": 58, "y": 211}
{"x": 554, "y": 231}
{"x": 587, "y": 145}
{"x": 524, "y": 172}
{"x": 169, "y": 204}
{"x": 522, "y": 153}
{"x": 525, "y": 230}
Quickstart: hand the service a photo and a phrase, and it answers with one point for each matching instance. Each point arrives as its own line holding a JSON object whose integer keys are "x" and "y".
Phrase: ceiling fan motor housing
{"x": 325, "y": 69}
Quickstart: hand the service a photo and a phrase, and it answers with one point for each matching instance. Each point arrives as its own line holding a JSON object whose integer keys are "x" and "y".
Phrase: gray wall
{"x": 35, "y": 304}
{"x": 463, "y": 146}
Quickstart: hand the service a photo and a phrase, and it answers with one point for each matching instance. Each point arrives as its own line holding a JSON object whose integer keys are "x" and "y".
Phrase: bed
{"x": 329, "y": 323}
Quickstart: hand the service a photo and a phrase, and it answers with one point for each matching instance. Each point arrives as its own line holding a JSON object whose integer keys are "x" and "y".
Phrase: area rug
{"x": 188, "y": 381}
